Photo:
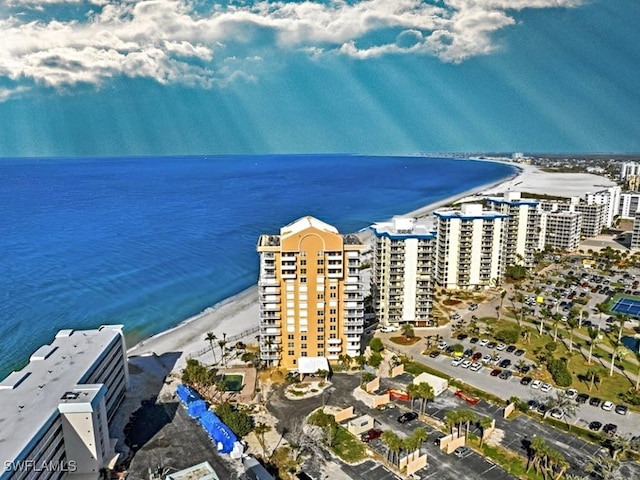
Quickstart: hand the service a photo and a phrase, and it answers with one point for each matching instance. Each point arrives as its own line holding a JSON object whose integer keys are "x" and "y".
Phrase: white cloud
{"x": 169, "y": 41}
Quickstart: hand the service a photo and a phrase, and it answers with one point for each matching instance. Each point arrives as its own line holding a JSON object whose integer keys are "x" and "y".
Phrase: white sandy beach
{"x": 240, "y": 313}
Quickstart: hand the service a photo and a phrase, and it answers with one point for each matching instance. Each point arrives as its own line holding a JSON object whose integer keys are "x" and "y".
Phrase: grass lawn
{"x": 511, "y": 462}
{"x": 347, "y": 446}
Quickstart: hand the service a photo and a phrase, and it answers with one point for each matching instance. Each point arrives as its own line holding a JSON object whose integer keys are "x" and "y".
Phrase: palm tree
{"x": 426, "y": 394}
{"x": 223, "y": 351}
{"x": 619, "y": 352}
{"x": 572, "y": 323}
{"x": 407, "y": 330}
{"x": 620, "y": 319}
{"x": 413, "y": 390}
{"x": 467, "y": 416}
{"x": 420, "y": 435}
{"x": 394, "y": 445}
{"x": 593, "y": 336}
{"x": 451, "y": 420}
{"x": 260, "y": 430}
{"x": 619, "y": 444}
{"x": 211, "y": 338}
{"x": 484, "y": 423}
{"x": 361, "y": 360}
{"x": 537, "y": 450}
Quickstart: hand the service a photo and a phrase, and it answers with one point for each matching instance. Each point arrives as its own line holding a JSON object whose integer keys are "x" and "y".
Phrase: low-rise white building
{"x": 438, "y": 384}
{"x": 55, "y": 411}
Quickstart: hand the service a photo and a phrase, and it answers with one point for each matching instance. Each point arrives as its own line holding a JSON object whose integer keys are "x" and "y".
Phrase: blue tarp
{"x": 196, "y": 408}
{"x": 218, "y": 431}
{"x": 187, "y": 394}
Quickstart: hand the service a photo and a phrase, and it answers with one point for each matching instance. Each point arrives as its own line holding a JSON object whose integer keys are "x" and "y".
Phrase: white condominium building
{"x": 629, "y": 204}
{"x": 635, "y": 235}
{"x": 629, "y": 168}
{"x": 311, "y": 295}
{"x": 55, "y": 411}
{"x": 469, "y": 247}
{"x": 522, "y": 230}
{"x": 593, "y": 215}
{"x": 610, "y": 198}
{"x": 402, "y": 271}
{"x": 562, "y": 230}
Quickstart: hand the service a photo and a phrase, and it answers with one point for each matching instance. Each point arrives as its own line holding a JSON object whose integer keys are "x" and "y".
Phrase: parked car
{"x": 582, "y": 398}
{"x": 519, "y": 352}
{"x": 595, "y": 426}
{"x": 557, "y": 413}
{"x": 434, "y": 354}
{"x": 486, "y": 358}
{"x": 545, "y": 387}
{"x": 622, "y": 409}
{"x": 594, "y": 402}
{"x": 474, "y": 340}
{"x": 491, "y": 345}
{"x": 511, "y": 349}
{"x": 536, "y": 384}
{"x": 462, "y": 336}
{"x": 526, "y": 380}
{"x": 443, "y": 345}
{"x": 389, "y": 328}
{"x": 407, "y": 417}
{"x": 533, "y": 404}
{"x": 571, "y": 393}
{"x": 505, "y": 375}
{"x": 484, "y": 342}
{"x": 607, "y": 406}
{"x": 466, "y": 364}
{"x": 461, "y": 451}
{"x": 476, "y": 356}
{"x": 505, "y": 363}
{"x": 475, "y": 366}
{"x": 369, "y": 435}
{"x": 610, "y": 429}
{"x": 436, "y": 441}
{"x": 456, "y": 361}
{"x": 467, "y": 353}
{"x": 495, "y": 372}
{"x": 500, "y": 347}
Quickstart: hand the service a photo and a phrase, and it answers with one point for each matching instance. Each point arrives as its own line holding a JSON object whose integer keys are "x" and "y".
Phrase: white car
{"x": 389, "y": 328}
{"x": 496, "y": 360}
{"x": 483, "y": 342}
{"x": 500, "y": 347}
{"x": 475, "y": 366}
{"x": 466, "y": 364}
{"x": 486, "y": 358}
{"x": 571, "y": 393}
{"x": 536, "y": 384}
{"x": 546, "y": 387}
{"x": 607, "y": 406}
{"x": 557, "y": 413}
{"x": 442, "y": 345}
{"x": 456, "y": 361}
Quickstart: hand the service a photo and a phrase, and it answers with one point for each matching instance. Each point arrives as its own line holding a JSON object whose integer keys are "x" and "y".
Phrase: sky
{"x": 198, "y": 77}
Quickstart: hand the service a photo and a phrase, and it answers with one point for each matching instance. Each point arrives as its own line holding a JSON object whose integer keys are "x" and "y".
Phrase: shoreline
{"x": 240, "y": 312}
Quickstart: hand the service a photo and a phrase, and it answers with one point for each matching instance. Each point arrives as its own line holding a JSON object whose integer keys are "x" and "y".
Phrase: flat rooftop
{"x": 401, "y": 228}
{"x": 202, "y": 471}
{"x": 29, "y": 398}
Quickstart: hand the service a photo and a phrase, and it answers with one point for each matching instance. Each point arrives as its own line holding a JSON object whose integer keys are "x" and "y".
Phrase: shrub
{"x": 458, "y": 347}
{"x": 376, "y": 345}
{"x": 551, "y": 347}
{"x": 508, "y": 335}
{"x": 238, "y": 421}
{"x": 559, "y": 372}
{"x": 375, "y": 360}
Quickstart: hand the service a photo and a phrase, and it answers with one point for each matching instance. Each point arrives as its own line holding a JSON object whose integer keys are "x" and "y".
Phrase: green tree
{"x": 393, "y": 443}
{"x": 593, "y": 339}
{"x": 619, "y": 352}
{"x": 239, "y": 422}
{"x": 484, "y": 423}
{"x": 376, "y": 345}
{"x": 426, "y": 394}
{"x": 414, "y": 392}
{"x": 572, "y": 323}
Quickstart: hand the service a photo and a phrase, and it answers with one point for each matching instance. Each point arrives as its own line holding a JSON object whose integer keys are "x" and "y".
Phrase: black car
{"x": 467, "y": 353}
{"x": 519, "y": 352}
{"x": 474, "y": 340}
{"x": 495, "y": 372}
{"x": 434, "y": 354}
{"x": 525, "y": 369}
{"x": 622, "y": 409}
{"x": 303, "y": 476}
{"x": 595, "y": 402}
{"x": 505, "y": 375}
{"x": 595, "y": 426}
{"x": 462, "y": 336}
{"x": 526, "y": 380}
{"x": 582, "y": 398}
{"x": 511, "y": 348}
{"x": 542, "y": 408}
{"x": 407, "y": 417}
{"x": 436, "y": 441}
{"x": 505, "y": 363}
{"x": 491, "y": 345}
{"x": 533, "y": 404}
{"x": 610, "y": 428}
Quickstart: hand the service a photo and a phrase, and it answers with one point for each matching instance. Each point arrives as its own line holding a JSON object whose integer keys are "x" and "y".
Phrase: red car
{"x": 372, "y": 434}
{"x": 476, "y": 356}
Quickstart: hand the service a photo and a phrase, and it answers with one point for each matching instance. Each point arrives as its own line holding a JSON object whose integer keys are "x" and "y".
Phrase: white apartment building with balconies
{"x": 469, "y": 247}
{"x": 55, "y": 411}
{"x": 402, "y": 271}
{"x": 562, "y": 230}
{"x": 610, "y": 198}
{"x": 522, "y": 235}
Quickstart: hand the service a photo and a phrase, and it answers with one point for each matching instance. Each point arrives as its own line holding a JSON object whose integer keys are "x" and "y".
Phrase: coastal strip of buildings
{"x": 56, "y": 410}
{"x": 311, "y": 288}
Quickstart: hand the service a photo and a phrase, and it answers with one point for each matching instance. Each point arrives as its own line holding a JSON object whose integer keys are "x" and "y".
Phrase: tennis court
{"x": 627, "y": 306}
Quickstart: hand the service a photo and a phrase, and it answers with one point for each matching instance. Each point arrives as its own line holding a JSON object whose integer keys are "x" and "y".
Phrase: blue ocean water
{"x": 148, "y": 242}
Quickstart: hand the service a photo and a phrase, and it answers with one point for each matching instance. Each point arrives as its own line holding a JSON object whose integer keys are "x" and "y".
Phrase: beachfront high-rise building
{"x": 311, "y": 294}
{"x": 402, "y": 271}
{"x": 635, "y": 235}
{"x": 522, "y": 236}
{"x": 610, "y": 198}
{"x": 629, "y": 168}
{"x": 629, "y": 204}
{"x": 593, "y": 215}
{"x": 56, "y": 410}
{"x": 469, "y": 247}
{"x": 562, "y": 230}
